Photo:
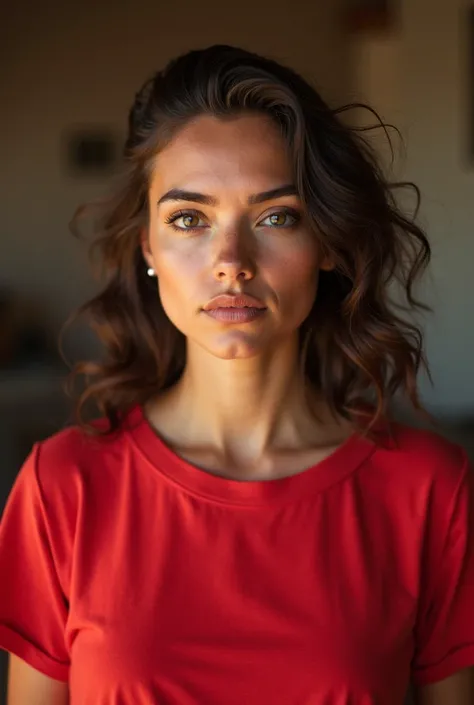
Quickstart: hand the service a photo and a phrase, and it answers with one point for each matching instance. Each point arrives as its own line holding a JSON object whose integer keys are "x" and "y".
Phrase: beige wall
{"x": 418, "y": 78}
{"x": 63, "y": 66}
{"x": 434, "y": 93}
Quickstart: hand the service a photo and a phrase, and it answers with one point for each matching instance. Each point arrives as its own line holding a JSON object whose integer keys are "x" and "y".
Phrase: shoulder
{"x": 426, "y": 448}
{"x": 423, "y": 460}
{"x": 66, "y": 460}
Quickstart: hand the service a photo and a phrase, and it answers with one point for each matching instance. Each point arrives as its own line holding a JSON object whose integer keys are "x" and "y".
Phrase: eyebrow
{"x": 176, "y": 194}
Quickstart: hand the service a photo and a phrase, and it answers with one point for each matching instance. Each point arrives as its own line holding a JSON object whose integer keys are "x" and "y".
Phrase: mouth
{"x": 231, "y": 314}
{"x": 240, "y": 308}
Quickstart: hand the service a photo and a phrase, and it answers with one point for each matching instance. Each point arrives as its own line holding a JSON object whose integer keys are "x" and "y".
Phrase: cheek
{"x": 178, "y": 275}
{"x": 295, "y": 280}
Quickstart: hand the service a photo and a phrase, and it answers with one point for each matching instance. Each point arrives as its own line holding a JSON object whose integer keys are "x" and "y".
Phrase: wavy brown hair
{"x": 359, "y": 339}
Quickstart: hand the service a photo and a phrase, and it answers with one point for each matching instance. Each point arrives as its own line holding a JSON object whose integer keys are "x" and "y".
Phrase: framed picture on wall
{"x": 90, "y": 150}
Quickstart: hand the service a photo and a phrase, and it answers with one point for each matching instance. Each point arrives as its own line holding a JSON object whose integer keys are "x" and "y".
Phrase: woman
{"x": 243, "y": 525}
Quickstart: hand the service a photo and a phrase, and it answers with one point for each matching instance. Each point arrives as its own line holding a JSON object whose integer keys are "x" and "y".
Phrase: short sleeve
{"x": 33, "y": 608}
{"x": 445, "y": 628}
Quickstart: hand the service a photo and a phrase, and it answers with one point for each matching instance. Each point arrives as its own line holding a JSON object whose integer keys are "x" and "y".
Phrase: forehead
{"x": 231, "y": 153}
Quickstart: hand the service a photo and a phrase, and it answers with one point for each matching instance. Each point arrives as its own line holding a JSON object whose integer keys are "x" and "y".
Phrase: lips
{"x": 238, "y": 302}
{"x": 235, "y": 309}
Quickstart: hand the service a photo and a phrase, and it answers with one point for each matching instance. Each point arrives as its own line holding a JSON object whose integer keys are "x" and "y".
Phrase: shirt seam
{"x": 230, "y": 503}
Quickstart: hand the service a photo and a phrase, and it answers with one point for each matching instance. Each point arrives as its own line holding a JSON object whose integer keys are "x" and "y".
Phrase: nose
{"x": 234, "y": 257}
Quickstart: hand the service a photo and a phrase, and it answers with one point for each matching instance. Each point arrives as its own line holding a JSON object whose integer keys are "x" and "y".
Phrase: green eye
{"x": 280, "y": 219}
{"x": 186, "y": 220}
{"x": 190, "y": 221}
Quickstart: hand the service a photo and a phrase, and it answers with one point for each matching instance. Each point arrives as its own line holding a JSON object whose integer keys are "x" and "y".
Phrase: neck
{"x": 243, "y": 407}
{"x": 244, "y": 397}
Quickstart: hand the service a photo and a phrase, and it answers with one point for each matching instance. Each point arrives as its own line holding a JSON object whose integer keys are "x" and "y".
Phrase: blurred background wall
{"x": 420, "y": 75}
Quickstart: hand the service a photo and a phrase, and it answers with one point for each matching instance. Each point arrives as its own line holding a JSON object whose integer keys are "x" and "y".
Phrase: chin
{"x": 241, "y": 348}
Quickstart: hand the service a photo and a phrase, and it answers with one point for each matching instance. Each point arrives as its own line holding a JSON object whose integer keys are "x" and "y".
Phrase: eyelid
{"x": 185, "y": 211}
{"x": 182, "y": 213}
{"x": 280, "y": 209}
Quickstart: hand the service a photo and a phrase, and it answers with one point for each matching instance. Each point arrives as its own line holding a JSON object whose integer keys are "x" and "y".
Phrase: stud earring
{"x": 150, "y": 271}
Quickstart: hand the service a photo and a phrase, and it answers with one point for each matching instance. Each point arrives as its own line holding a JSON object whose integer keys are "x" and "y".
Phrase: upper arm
{"x": 455, "y": 690}
{"x": 444, "y": 630}
{"x": 33, "y": 604}
{"x": 27, "y": 686}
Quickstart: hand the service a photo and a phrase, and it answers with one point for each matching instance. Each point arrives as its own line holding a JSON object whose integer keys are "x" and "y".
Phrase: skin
{"x": 27, "y": 686}
{"x": 254, "y": 419}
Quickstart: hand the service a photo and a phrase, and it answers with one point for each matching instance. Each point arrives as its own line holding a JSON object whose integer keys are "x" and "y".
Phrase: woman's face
{"x": 225, "y": 220}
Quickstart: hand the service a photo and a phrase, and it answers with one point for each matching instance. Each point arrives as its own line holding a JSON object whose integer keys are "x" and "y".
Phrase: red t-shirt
{"x": 144, "y": 580}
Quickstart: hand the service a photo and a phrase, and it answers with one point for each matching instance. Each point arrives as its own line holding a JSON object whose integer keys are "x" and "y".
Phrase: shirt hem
{"x": 448, "y": 667}
{"x": 19, "y": 646}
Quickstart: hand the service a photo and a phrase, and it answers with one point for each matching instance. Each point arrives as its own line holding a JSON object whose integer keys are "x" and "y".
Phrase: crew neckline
{"x": 343, "y": 461}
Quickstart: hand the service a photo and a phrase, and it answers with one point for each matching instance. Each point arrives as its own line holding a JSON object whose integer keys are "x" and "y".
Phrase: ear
{"x": 145, "y": 247}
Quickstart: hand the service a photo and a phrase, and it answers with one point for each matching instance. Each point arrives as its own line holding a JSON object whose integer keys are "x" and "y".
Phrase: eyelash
{"x": 170, "y": 220}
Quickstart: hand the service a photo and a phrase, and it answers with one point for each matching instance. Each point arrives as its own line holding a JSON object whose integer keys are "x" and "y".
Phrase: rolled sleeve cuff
{"x": 454, "y": 662}
{"x": 16, "y": 644}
